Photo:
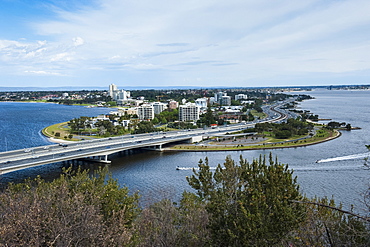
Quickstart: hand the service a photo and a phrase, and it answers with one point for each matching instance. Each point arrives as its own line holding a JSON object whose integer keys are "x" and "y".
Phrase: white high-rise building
{"x": 112, "y": 89}
{"x": 159, "y": 107}
{"x": 225, "y": 100}
{"x": 118, "y": 95}
{"x": 218, "y": 97}
{"x": 121, "y": 95}
{"x": 145, "y": 112}
{"x": 189, "y": 112}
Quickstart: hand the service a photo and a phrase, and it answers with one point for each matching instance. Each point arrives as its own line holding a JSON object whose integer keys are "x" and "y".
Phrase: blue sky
{"x": 205, "y": 43}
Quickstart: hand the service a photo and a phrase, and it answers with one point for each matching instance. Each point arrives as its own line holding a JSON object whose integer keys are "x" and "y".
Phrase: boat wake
{"x": 191, "y": 168}
{"x": 347, "y": 157}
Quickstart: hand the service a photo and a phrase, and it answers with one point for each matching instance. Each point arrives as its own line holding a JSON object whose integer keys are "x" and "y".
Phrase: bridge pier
{"x": 99, "y": 159}
{"x": 155, "y": 148}
{"x": 105, "y": 159}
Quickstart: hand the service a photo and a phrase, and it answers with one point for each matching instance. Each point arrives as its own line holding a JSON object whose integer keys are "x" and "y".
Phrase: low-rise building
{"x": 202, "y": 102}
{"x": 173, "y": 104}
{"x": 241, "y": 96}
{"x": 246, "y": 102}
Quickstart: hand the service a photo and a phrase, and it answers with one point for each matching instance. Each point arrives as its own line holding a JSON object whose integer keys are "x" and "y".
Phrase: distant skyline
{"x": 207, "y": 43}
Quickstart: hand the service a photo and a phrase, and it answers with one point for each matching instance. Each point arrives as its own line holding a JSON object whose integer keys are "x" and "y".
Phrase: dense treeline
{"x": 86, "y": 96}
{"x": 193, "y": 94}
{"x": 255, "y": 203}
{"x": 285, "y": 130}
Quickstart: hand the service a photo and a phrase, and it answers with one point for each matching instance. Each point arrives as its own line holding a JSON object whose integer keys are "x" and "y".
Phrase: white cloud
{"x": 65, "y": 56}
{"x": 41, "y": 72}
{"x": 213, "y": 40}
{"x": 78, "y": 41}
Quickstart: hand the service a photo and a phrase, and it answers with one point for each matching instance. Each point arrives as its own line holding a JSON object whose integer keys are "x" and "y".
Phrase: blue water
{"x": 340, "y": 174}
{"x": 21, "y": 123}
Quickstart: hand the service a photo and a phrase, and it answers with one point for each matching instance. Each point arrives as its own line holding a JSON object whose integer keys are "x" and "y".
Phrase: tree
{"x": 76, "y": 209}
{"x": 250, "y": 204}
{"x": 283, "y": 134}
{"x": 207, "y": 119}
{"x": 155, "y": 121}
{"x": 328, "y": 225}
{"x": 112, "y": 103}
{"x": 78, "y": 124}
{"x": 145, "y": 127}
{"x": 165, "y": 224}
{"x": 333, "y": 125}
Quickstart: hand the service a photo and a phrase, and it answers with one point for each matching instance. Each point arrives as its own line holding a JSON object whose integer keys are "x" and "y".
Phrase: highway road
{"x": 24, "y": 158}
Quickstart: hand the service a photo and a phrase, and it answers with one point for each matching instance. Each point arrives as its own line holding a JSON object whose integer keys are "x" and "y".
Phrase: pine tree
{"x": 250, "y": 204}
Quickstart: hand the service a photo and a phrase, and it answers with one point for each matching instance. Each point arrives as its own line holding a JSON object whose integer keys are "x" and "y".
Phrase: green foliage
{"x": 245, "y": 204}
{"x": 168, "y": 115}
{"x": 78, "y": 124}
{"x": 164, "y": 224}
{"x": 73, "y": 210}
{"x": 181, "y": 125}
{"x": 258, "y": 108}
{"x": 285, "y": 130}
{"x": 207, "y": 119}
{"x": 155, "y": 121}
{"x": 145, "y": 127}
{"x": 250, "y": 203}
{"x": 112, "y": 103}
{"x": 326, "y": 226}
{"x": 283, "y": 134}
{"x": 333, "y": 125}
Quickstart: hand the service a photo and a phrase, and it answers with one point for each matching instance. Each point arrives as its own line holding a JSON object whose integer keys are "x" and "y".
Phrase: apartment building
{"x": 189, "y": 112}
{"x": 145, "y": 112}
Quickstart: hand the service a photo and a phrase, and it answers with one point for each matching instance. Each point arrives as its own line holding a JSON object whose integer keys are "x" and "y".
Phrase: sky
{"x": 195, "y": 43}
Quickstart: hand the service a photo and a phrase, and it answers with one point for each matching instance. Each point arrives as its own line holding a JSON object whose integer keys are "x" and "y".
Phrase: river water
{"x": 340, "y": 171}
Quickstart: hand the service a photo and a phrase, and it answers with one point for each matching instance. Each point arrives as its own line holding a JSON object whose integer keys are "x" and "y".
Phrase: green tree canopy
{"x": 250, "y": 204}
{"x": 76, "y": 209}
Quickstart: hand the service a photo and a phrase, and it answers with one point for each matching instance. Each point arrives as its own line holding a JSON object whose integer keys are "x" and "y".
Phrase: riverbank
{"x": 50, "y": 131}
{"x": 240, "y": 147}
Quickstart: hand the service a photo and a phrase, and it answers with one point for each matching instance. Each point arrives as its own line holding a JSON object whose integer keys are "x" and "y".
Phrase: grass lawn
{"x": 58, "y": 128}
{"x": 261, "y": 115}
{"x": 320, "y": 136}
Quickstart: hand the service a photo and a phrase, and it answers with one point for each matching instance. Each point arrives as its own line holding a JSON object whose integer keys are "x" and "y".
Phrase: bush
{"x": 74, "y": 210}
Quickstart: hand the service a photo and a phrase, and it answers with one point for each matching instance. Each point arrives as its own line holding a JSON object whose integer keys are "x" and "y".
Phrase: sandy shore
{"x": 58, "y": 140}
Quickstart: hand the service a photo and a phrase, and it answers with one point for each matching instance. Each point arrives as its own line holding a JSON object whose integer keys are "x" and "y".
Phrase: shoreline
{"x": 55, "y": 140}
{"x": 337, "y": 134}
{"x": 223, "y": 149}
{"x": 259, "y": 147}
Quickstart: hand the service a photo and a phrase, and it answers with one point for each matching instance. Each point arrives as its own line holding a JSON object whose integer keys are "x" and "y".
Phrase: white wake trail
{"x": 347, "y": 157}
{"x": 191, "y": 168}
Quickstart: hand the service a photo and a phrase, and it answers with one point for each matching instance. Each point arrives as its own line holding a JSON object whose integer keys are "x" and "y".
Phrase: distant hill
{"x": 17, "y": 89}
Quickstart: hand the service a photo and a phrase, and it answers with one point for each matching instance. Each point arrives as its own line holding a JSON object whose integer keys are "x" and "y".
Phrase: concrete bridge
{"x": 100, "y": 149}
